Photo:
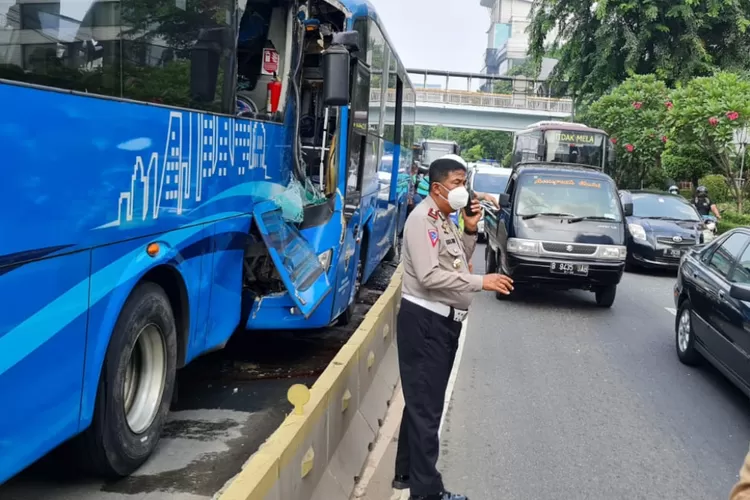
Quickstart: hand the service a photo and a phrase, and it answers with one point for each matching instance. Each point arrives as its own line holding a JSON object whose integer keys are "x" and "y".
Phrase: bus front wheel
{"x": 136, "y": 385}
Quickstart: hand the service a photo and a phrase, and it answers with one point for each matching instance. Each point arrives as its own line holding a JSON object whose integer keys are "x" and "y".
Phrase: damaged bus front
{"x": 198, "y": 167}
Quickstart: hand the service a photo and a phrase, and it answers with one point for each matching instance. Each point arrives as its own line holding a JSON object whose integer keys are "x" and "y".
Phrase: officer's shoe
{"x": 446, "y": 495}
{"x": 400, "y": 482}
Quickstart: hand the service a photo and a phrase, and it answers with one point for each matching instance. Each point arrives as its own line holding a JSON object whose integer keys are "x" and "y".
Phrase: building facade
{"x": 507, "y": 41}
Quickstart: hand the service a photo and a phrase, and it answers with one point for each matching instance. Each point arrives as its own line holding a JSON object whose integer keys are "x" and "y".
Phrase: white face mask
{"x": 458, "y": 197}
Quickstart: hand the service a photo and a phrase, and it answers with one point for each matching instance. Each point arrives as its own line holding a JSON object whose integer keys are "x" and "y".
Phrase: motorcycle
{"x": 709, "y": 228}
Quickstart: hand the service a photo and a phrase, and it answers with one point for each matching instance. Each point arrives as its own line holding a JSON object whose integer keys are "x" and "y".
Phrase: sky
{"x": 437, "y": 34}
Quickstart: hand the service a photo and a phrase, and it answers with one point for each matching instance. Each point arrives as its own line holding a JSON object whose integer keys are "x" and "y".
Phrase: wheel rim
{"x": 145, "y": 376}
{"x": 683, "y": 330}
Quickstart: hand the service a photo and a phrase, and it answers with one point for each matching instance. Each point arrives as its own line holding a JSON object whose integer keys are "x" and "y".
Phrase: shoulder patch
{"x": 433, "y": 214}
{"x": 433, "y": 234}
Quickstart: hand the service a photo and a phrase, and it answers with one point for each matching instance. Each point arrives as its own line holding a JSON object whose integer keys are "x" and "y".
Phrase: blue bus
{"x": 176, "y": 170}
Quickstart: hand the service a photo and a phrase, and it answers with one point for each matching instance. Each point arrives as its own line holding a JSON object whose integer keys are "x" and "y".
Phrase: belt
{"x": 457, "y": 315}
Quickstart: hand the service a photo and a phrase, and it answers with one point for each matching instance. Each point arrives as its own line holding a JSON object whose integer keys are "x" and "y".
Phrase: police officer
{"x": 703, "y": 203}
{"x": 437, "y": 291}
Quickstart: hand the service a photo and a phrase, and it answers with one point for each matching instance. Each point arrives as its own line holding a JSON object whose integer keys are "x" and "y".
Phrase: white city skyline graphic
{"x": 221, "y": 147}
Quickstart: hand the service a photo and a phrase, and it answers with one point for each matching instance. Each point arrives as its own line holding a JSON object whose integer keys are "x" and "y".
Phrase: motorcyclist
{"x": 703, "y": 203}
{"x": 674, "y": 190}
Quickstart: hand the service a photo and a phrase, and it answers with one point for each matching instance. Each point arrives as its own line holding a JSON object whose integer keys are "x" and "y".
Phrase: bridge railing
{"x": 483, "y": 100}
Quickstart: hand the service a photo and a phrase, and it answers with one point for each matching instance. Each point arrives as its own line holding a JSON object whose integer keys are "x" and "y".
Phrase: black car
{"x": 712, "y": 296}
{"x": 663, "y": 226}
{"x": 559, "y": 226}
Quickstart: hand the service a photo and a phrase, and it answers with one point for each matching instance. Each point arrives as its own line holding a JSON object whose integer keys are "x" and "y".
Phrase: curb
{"x": 319, "y": 450}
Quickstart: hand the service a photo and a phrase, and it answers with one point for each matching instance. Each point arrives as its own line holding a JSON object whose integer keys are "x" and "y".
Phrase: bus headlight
{"x": 325, "y": 259}
{"x": 612, "y": 252}
{"x": 523, "y": 247}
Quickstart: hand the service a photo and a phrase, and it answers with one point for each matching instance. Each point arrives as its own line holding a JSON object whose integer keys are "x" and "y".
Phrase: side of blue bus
{"x": 141, "y": 225}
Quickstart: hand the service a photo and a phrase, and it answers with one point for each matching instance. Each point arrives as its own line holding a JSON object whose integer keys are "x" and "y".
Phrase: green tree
{"x": 708, "y": 112}
{"x": 603, "y": 42}
{"x": 474, "y": 153}
{"x": 494, "y": 144}
{"x": 529, "y": 68}
{"x": 633, "y": 115}
{"x": 685, "y": 161}
{"x": 488, "y": 144}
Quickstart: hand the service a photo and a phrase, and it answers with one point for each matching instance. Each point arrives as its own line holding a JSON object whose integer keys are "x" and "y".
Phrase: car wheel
{"x": 135, "y": 387}
{"x": 684, "y": 337}
{"x": 490, "y": 260}
{"x": 630, "y": 266}
{"x": 605, "y": 295}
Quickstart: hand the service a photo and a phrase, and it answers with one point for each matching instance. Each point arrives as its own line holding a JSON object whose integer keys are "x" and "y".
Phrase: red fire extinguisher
{"x": 274, "y": 95}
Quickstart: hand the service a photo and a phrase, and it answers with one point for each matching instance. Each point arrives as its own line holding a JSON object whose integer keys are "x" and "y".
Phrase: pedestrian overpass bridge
{"x": 469, "y": 109}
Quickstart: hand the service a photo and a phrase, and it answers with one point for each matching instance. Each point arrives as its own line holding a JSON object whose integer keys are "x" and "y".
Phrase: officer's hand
{"x": 497, "y": 283}
{"x": 470, "y": 223}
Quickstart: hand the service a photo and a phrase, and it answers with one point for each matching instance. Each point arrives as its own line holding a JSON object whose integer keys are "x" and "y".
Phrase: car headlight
{"x": 611, "y": 252}
{"x": 524, "y": 247}
{"x": 325, "y": 259}
{"x": 637, "y": 231}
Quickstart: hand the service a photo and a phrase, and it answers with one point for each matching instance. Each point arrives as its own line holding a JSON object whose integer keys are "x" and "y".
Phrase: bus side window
{"x": 68, "y": 58}
{"x": 157, "y": 52}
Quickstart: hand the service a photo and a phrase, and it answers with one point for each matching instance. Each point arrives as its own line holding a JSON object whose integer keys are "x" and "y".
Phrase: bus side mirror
{"x": 541, "y": 152}
{"x": 336, "y": 67}
{"x": 611, "y": 156}
{"x": 205, "y": 57}
{"x": 504, "y": 200}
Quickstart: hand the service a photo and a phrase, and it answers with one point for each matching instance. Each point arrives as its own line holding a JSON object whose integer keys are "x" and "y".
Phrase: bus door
{"x": 296, "y": 261}
{"x": 351, "y": 264}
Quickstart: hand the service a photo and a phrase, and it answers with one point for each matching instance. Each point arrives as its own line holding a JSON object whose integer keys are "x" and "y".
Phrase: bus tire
{"x": 347, "y": 316}
{"x": 135, "y": 387}
{"x": 393, "y": 252}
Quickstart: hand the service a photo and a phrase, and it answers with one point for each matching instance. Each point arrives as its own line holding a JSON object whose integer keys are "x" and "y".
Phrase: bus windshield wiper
{"x": 592, "y": 217}
{"x": 545, "y": 214}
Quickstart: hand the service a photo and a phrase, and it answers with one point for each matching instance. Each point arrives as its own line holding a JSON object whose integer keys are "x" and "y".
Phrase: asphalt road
{"x": 557, "y": 399}
{"x": 228, "y": 403}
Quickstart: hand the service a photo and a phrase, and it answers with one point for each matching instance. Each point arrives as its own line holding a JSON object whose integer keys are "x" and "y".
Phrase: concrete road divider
{"x": 319, "y": 450}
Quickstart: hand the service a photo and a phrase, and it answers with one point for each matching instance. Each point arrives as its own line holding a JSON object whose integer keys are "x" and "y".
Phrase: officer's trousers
{"x": 427, "y": 345}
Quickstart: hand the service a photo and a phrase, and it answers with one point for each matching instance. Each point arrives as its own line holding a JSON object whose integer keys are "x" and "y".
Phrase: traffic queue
{"x": 556, "y": 220}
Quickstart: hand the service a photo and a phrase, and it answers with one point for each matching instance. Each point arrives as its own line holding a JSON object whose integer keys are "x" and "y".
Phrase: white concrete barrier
{"x": 319, "y": 450}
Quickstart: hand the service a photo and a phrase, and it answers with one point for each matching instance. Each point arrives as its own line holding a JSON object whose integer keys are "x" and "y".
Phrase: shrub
{"x": 718, "y": 190}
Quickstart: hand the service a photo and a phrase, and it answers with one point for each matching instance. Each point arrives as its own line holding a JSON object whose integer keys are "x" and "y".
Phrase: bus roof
{"x": 543, "y": 126}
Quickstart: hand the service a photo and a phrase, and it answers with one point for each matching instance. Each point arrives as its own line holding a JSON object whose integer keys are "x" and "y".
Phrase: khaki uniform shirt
{"x": 741, "y": 490}
{"x": 436, "y": 258}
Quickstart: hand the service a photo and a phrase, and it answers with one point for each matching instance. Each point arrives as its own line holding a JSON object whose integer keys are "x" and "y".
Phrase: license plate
{"x": 671, "y": 252}
{"x": 568, "y": 268}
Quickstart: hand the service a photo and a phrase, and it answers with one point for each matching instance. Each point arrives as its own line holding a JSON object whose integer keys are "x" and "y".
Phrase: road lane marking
{"x": 453, "y": 375}
{"x": 671, "y": 310}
